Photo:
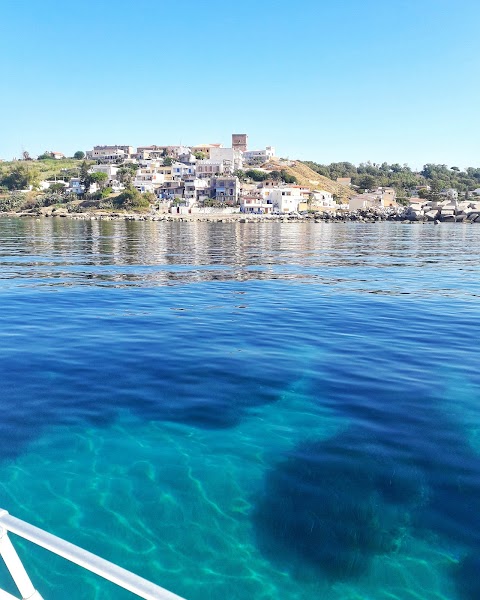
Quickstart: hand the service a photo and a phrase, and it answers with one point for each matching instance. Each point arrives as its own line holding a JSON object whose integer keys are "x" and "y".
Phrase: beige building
{"x": 205, "y": 148}
{"x": 380, "y": 198}
{"x": 110, "y": 153}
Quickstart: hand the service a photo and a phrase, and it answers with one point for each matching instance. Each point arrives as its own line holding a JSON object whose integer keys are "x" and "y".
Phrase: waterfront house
{"x": 255, "y": 204}
{"x": 196, "y": 189}
{"x": 320, "y": 199}
{"x": 170, "y": 190}
{"x": 225, "y": 189}
{"x": 285, "y": 199}
{"x": 379, "y": 198}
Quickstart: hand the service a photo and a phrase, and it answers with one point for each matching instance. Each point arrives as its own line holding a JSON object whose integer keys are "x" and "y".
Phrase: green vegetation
{"x": 79, "y": 155}
{"x": 48, "y": 168}
{"x": 20, "y": 177}
{"x": 401, "y": 177}
{"x": 256, "y": 175}
{"x": 99, "y": 178}
{"x": 126, "y": 173}
{"x": 131, "y": 198}
{"x": 276, "y": 175}
{"x": 12, "y": 202}
{"x": 200, "y": 155}
{"x": 56, "y": 188}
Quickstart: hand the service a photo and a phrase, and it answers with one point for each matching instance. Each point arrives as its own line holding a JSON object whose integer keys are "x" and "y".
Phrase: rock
{"x": 431, "y": 215}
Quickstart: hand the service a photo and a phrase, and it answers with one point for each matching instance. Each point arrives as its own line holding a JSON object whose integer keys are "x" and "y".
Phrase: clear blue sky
{"x": 394, "y": 80}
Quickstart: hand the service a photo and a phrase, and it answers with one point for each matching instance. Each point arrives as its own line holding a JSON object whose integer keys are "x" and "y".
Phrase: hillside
{"x": 43, "y": 169}
{"x": 309, "y": 178}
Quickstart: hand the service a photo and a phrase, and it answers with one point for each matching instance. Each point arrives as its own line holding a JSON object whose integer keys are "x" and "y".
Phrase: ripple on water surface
{"x": 264, "y": 411}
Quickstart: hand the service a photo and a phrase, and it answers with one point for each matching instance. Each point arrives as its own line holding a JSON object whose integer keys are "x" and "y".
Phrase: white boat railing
{"x": 121, "y": 577}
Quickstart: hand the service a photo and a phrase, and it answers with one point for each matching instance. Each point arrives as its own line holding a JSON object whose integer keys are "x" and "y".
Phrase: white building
{"x": 148, "y": 179}
{"x": 196, "y": 189}
{"x": 209, "y": 168}
{"x": 182, "y": 170}
{"x": 285, "y": 199}
{"x": 75, "y": 187}
{"x": 110, "y": 170}
{"x": 256, "y": 204}
{"x": 231, "y": 158}
{"x": 152, "y": 152}
{"x": 45, "y": 184}
{"x": 322, "y": 198}
{"x": 110, "y": 154}
{"x": 254, "y": 156}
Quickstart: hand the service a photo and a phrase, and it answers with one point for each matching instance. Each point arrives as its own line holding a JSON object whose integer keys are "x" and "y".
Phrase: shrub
{"x": 132, "y": 198}
{"x": 12, "y": 202}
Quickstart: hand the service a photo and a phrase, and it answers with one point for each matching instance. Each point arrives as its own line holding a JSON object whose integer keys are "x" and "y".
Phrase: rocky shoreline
{"x": 369, "y": 215}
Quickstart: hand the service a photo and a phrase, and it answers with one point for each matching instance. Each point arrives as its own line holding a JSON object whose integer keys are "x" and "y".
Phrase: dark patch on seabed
{"x": 335, "y": 504}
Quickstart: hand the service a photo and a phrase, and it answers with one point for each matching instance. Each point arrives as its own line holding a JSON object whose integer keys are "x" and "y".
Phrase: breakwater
{"x": 368, "y": 215}
{"x": 436, "y": 212}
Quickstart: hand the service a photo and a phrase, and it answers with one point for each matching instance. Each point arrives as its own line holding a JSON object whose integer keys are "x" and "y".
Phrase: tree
{"x": 168, "y": 161}
{"x": 20, "y": 178}
{"x": 84, "y": 175}
{"x": 287, "y": 178}
{"x": 99, "y": 178}
{"x": 256, "y": 175}
{"x": 56, "y": 188}
{"x": 45, "y": 156}
{"x": 105, "y": 192}
{"x": 126, "y": 173}
{"x": 79, "y": 155}
{"x": 200, "y": 155}
{"x": 367, "y": 182}
{"x": 275, "y": 175}
{"x": 240, "y": 174}
{"x": 132, "y": 198}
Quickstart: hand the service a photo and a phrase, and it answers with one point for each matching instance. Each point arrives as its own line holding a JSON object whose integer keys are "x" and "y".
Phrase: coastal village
{"x": 212, "y": 179}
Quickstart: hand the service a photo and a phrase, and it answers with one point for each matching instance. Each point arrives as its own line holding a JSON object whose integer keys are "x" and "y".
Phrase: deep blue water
{"x": 242, "y": 411}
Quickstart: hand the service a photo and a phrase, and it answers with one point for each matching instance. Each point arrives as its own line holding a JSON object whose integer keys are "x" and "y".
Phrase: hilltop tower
{"x": 239, "y": 141}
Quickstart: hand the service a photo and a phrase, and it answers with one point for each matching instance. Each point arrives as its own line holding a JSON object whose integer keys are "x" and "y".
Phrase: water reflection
{"x": 68, "y": 252}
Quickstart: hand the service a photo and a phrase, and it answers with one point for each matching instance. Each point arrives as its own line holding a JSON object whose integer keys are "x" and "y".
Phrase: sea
{"x": 244, "y": 411}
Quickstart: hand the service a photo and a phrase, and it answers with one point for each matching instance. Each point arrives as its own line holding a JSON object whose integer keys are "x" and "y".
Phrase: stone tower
{"x": 239, "y": 141}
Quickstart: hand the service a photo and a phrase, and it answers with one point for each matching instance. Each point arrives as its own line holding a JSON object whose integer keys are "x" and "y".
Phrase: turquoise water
{"x": 244, "y": 411}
